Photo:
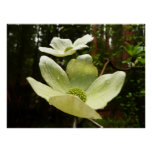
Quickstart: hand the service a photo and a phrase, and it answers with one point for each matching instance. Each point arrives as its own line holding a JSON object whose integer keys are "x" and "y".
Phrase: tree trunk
{"x": 21, "y": 52}
{"x": 127, "y": 34}
{"x": 35, "y": 55}
{"x": 94, "y": 33}
{"x": 107, "y": 38}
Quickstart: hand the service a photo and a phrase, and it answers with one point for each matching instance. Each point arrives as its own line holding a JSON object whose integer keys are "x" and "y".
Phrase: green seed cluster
{"x": 78, "y": 92}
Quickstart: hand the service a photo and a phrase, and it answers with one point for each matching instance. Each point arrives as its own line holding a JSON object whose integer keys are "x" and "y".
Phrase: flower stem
{"x": 104, "y": 67}
{"x": 75, "y": 122}
{"x": 95, "y": 123}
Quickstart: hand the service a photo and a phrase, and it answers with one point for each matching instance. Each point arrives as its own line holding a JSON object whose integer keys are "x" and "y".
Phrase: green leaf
{"x": 42, "y": 90}
{"x": 127, "y": 60}
{"x": 53, "y": 74}
{"x": 104, "y": 89}
{"x": 141, "y": 60}
{"x": 74, "y": 106}
{"x": 81, "y": 71}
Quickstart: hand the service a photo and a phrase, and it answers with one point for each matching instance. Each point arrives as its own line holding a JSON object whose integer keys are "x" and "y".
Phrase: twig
{"x": 104, "y": 67}
{"x": 75, "y": 122}
{"x": 95, "y": 123}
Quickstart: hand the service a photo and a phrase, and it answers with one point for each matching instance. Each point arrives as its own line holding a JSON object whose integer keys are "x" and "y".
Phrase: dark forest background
{"x": 115, "y": 45}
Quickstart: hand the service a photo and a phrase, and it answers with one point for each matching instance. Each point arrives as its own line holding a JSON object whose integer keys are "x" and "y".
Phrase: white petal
{"x": 86, "y": 58}
{"x": 73, "y": 50}
{"x": 60, "y": 44}
{"x": 80, "y": 47}
{"x": 57, "y": 53}
{"x": 104, "y": 89}
{"x": 42, "y": 90}
{"x": 81, "y": 71}
{"x": 74, "y": 106}
{"x": 69, "y": 52}
{"x": 52, "y": 51}
{"x": 53, "y": 74}
{"x": 83, "y": 40}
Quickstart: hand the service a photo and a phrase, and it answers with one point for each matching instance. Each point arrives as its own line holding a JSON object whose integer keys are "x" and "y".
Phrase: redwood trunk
{"x": 94, "y": 33}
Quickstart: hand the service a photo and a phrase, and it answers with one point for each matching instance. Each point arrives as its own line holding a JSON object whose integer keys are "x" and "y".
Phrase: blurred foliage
{"x": 122, "y": 45}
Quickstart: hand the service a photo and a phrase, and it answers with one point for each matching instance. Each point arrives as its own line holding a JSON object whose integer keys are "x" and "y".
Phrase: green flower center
{"x": 78, "y": 92}
{"x": 68, "y": 48}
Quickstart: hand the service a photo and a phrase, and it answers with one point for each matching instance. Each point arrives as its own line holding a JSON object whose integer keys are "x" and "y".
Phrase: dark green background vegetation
{"x": 114, "y": 43}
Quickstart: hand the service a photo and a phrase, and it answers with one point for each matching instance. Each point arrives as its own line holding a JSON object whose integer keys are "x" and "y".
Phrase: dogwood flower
{"x": 78, "y": 91}
{"x": 64, "y": 47}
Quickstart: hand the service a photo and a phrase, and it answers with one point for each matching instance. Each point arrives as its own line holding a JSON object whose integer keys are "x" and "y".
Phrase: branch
{"x": 95, "y": 123}
{"x": 104, "y": 67}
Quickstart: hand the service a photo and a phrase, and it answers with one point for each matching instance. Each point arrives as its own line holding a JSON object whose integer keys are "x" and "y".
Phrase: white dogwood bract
{"x": 65, "y": 47}
{"x": 82, "y": 75}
